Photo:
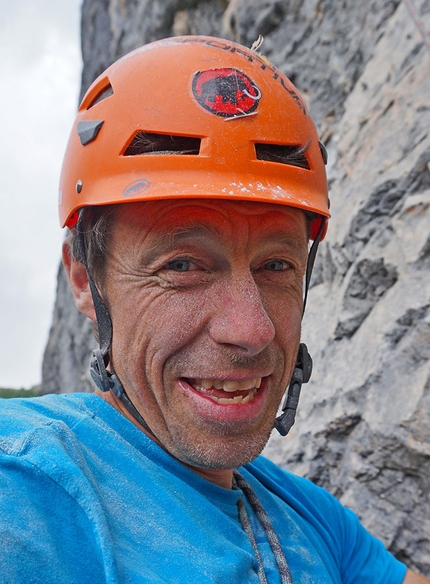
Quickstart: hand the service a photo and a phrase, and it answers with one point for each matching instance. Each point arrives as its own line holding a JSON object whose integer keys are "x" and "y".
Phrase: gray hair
{"x": 95, "y": 227}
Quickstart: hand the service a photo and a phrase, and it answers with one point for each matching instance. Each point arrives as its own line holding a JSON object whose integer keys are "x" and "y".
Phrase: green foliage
{"x": 32, "y": 392}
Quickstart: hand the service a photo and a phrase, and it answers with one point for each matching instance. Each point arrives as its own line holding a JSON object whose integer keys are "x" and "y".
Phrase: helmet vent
{"x": 103, "y": 94}
{"x": 283, "y": 154}
{"x": 147, "y": 143}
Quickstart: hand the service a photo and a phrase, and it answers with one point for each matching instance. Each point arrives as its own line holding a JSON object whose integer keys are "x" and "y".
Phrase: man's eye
{"x": 275, "y": 266}
{"x": 180, "y": 265}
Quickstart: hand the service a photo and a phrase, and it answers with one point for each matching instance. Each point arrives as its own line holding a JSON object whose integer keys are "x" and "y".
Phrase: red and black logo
{"x": 226, "y": 92}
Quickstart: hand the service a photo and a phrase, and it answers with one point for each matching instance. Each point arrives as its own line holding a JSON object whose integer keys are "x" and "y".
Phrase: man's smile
{"x": 227, "y": 392}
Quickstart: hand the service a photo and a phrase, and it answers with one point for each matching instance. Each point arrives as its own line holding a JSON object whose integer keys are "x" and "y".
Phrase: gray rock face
{"x": 67, "y": 355}
{"x": 363, "y": 427}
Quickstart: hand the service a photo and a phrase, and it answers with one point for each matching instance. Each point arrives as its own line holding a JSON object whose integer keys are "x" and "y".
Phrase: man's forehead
{"x": 207, "y": 217}
{"x": 163, "y": 226}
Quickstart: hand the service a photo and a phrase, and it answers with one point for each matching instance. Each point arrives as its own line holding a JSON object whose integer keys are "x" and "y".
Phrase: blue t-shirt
{"x": 85, "y": 496}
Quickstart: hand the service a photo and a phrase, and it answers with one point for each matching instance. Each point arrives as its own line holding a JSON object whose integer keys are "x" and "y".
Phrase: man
{"x": 191, "y": 185}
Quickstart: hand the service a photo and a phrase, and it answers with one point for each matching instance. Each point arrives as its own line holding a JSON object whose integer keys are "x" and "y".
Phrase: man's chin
{"x": 222, "y": 455}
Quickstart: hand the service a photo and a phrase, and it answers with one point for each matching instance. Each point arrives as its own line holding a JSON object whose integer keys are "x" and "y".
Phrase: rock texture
{"x": 363, "y": 428}
{"x": 67, "y": 355}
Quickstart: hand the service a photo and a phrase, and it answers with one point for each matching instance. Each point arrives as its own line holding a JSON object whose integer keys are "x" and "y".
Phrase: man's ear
{"x": 79, "y": 284}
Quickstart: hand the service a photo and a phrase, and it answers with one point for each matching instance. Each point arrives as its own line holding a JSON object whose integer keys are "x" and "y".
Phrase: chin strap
{"x": 104, "y": 380}
{"x": 311, "y": 260}
{"x": 303, "y": 369}
{"x": 301, "y": 374}
{"x": 108, "y": 381}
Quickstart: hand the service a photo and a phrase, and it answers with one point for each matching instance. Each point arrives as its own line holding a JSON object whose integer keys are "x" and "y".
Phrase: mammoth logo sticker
{"x": 226, "y": 92}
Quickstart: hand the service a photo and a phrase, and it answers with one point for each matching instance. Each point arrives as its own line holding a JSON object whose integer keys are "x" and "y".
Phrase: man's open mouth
{"x": 227, "y": 392}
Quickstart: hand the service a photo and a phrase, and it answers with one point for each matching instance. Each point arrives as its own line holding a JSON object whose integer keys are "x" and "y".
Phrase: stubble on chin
{"x": 226, "y": 451}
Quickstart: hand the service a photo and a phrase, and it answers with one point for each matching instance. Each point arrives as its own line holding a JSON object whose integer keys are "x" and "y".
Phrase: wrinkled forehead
{"x": 231, "y": 227}
{"x": 203, "y": 216}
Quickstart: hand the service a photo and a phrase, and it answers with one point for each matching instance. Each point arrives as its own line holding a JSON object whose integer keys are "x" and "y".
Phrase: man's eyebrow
{"x": 285, "y": 237}
{"x": 167, "y": 239}
{"x": 189, "y": 231}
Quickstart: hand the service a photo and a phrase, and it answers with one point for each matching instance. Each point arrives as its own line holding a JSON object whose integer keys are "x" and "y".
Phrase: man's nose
{"x": 241, "y": 319}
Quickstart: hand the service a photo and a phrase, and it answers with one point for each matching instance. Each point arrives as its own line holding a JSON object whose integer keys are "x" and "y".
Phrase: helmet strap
{"x": 303, "y": 369}
{"x": 311, "y": 260}
{"x": 104, "y": 379}
{"x": 301, "y": 374}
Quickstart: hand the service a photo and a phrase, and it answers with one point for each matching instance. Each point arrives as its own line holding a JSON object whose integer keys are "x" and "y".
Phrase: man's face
{"x": 206, "y": 303}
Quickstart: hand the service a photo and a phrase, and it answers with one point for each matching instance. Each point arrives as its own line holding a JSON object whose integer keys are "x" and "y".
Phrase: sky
{"x": 40, "y": 70}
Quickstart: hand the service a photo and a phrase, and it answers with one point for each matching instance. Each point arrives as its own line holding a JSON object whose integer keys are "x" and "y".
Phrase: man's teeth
{"x": 251, "y": 386}
{"x": 238, "y": 399}
{"x": 230, "y": 386}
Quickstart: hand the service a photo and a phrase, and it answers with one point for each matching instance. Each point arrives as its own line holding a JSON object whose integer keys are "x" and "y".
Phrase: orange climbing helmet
{"x": 193, "y": 117}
